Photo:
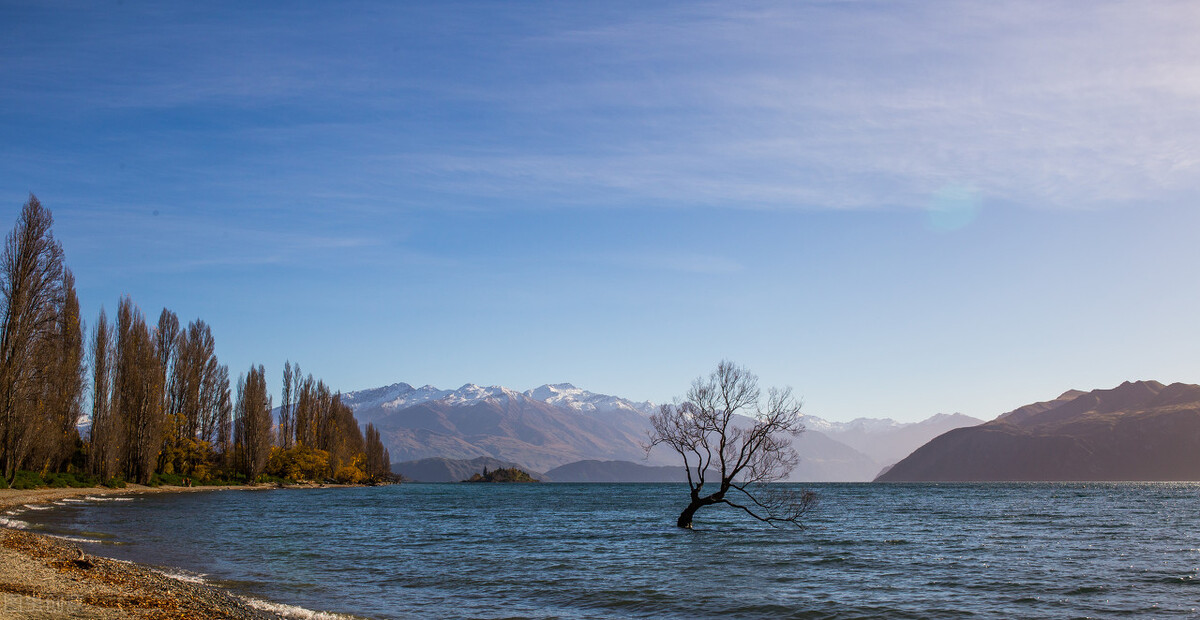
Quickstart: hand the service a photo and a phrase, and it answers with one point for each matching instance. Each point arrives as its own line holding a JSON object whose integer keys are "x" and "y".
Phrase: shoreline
{"x": 43, "y": 576}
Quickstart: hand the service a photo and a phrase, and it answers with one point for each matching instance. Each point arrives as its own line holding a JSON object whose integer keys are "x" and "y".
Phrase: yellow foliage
{"x": 350, "y": 474}
{"x": 299, "y": 463}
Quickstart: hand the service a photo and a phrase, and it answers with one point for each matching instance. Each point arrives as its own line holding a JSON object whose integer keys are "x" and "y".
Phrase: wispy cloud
{"x": 769, "y": 105}
{"x": 847, "y": 105}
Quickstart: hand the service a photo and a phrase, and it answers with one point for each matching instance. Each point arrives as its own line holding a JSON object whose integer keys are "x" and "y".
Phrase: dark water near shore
{"x": 612, "y": 551}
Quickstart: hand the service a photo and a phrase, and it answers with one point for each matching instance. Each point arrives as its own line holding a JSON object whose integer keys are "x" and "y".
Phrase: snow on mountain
{"x": 562, "y": 395}
{"x": 885, "y": 439}
{"x": 470, "y": 394}
{"x": 393, "y": 397}
{"x": 869, "y": 426}
{"x": 571, "y": 397}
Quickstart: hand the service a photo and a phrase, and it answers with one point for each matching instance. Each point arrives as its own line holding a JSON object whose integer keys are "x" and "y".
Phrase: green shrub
{"x": 115, "y": 483}
{"x": 3, "y": 483}
{"x": 75, "y": 480}
{"x": 26, "y": 480}
{"x": 174, "y": 480}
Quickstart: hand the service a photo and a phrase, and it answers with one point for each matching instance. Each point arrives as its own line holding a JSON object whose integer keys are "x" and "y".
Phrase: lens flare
{"x": 953, "y": 207}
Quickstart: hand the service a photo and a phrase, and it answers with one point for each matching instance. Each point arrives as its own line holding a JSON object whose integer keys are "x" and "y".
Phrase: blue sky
{"x": 897, "y": 208}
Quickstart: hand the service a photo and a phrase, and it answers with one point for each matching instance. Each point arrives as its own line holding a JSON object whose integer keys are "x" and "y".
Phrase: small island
{"x": 509, "y": 474}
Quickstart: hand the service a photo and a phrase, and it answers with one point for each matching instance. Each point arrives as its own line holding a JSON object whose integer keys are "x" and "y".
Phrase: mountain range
{"x": 1141, "y": 430}
{"x": 559, "y": 424}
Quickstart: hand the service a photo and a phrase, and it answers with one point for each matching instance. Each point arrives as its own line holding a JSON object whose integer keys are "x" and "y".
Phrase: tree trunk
{"x": 685, "y": 518}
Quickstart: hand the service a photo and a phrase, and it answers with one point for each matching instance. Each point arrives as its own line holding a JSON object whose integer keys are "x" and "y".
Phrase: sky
{"x": 896, "y": 208}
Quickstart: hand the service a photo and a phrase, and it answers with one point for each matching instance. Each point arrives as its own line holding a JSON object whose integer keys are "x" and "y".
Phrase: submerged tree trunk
{"x": 685, "y": 518}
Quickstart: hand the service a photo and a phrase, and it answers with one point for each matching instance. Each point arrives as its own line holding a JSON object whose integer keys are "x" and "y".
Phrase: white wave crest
{"x": 78, "y": 539}
{"x": 185, "y": 577}
{"x": 36, "y": 507}
{"x": 292, "y": 611}
{"x": 100, "y": 498}
{"x": 15, "y": 524}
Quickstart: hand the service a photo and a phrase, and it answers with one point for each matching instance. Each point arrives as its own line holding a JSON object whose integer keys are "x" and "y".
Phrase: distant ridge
{"x": 615, "y": 471}
{"x": 558, "y": 424}
{"x": 452, "y": 470}
{"x": 1140, "y": 430}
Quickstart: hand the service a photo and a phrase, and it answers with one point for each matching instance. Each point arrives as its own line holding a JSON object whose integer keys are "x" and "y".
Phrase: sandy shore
{"x": 43, "y": 577}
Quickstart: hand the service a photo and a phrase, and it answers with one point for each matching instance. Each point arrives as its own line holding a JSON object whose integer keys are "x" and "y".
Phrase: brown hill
{"x": 1137, "y": 431}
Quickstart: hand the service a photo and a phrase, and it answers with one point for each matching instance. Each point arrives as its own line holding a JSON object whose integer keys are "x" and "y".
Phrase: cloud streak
{"x": 822, "y": 105}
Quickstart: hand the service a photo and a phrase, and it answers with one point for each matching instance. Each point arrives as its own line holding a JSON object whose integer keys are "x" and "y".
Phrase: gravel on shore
{"x": 43, "y": 577}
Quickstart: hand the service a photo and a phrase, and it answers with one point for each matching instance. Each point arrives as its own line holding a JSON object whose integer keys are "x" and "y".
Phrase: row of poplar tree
{"x": 160, "y": 401}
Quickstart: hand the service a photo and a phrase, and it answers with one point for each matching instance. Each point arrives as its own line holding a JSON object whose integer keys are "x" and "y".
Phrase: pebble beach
{"x": 45, "y": 578}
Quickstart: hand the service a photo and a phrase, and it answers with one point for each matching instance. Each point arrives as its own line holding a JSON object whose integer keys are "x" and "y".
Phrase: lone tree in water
{"x": 733, "y": 444}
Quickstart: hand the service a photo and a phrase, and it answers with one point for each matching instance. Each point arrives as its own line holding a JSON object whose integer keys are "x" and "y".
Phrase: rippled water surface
{"x": 612, "y": 551}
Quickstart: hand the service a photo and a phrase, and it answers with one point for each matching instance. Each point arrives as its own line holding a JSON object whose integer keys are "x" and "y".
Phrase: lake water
{"x": 612, "y": 550}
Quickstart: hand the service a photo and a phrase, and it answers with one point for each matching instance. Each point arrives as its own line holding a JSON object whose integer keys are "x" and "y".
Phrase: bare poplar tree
{"x": 166, "y": 346}
{"x": 378, "y": 462}
{"x": 66, "y": 379}
{"x": 224, "y": 427}
{"x": 297, "y": 382}
{"x": 736, "y": 443}
{"x": 138, "y": 392}
{"x": 285, "y": 408}
{"x": 342, "y": 437}
{"x": 253, "y": 425}
{"x": 31, "y": 283}
{"x": 102, "y": 457}
{"x": 166, "y": 338}
{"x": 305, "y": 412}
{"x": 217, "y": 406}
{"x": 195, "y": 395}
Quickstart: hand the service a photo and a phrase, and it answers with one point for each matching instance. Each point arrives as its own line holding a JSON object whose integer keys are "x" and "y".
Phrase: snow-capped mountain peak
{"x": 393, "y": 397}
{"x": 559, "y": 395}
{"x": 471, "y": 394}
{"x": 568, "y": 396}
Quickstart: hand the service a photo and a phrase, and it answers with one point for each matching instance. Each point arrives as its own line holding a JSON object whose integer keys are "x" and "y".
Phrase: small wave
{"x": 292, "y": 611}
{"x": 15, "y": 524}
{"x": 181, "y": 576}
{"x": 97, "y": 498}
{"x": 78, "y": 539}
{"x": 36, "y": 507}
{"x": 72, "y": 500}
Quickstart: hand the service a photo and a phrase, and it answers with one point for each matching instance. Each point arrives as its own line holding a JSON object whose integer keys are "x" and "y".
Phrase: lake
{"x": 612, "y": 550}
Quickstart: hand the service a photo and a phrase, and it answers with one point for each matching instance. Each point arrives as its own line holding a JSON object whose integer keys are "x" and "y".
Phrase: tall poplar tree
{"x": 65, "y": 380}
{"x": 103, "y": 455}
{"x": 286, "y": 425}
{"x": 138, "y": 392}
{"x": 252, "y": 427}
{"x": 32, "y": 284}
